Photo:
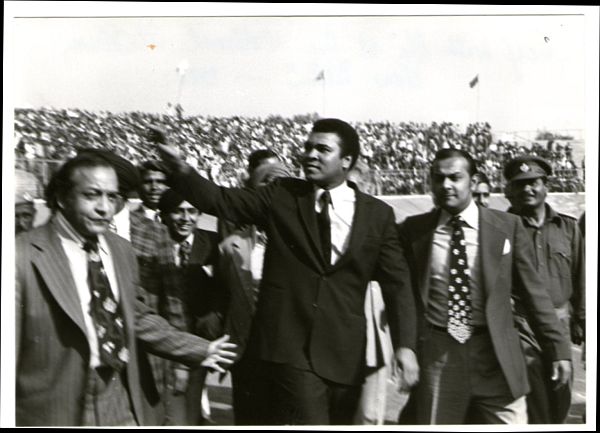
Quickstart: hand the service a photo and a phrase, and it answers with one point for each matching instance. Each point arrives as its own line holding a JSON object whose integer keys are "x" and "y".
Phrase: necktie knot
{"x": 325, "y": 200}
{"x": 90, "y": 245}
{"x": 457, "y": 221}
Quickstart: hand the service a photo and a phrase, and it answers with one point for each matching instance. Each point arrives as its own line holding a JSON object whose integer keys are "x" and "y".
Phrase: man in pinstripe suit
{"x": 61, "y": 376}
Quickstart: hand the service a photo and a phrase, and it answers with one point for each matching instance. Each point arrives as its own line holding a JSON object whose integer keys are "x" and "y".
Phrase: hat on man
{"x": 127, "y": 173}
{"x": 526, "y": 167}
{"x": 169, "y": 200}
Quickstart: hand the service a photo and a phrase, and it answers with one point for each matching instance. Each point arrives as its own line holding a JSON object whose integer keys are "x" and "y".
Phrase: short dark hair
{"x": 347, "y": 134}
{"x": 453, "y": 152}
{"x": 151, "y": 165}
{"x": 258, "y": 156}
{"x": 61, "y": 181}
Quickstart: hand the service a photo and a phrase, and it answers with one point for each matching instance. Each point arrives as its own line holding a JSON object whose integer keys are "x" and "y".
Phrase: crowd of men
{"x": 398, "y": 154}
{"x": 122, "y": 311}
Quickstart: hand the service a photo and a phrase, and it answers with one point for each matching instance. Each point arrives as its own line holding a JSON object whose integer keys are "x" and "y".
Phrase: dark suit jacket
{"x": 306, "y": 307}
{"x": 505, "y": 252}
{"x": 52, "y": 350}
{"x": 234, "y": 275}
{"x": 192, "y": 301}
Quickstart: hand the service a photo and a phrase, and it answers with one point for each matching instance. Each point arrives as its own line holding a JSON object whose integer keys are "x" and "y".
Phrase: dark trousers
{"x": 296, "y": 396}
{"x": 248, "y": 392}
{"x": 546, "y": 403}
{"x": 457, "y": 378}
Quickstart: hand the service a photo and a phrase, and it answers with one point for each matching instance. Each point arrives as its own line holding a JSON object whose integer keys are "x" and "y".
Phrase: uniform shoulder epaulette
{"x": 567, "y": 217}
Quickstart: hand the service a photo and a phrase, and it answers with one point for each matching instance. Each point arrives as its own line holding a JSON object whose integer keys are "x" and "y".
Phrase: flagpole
{"x": 323, "y": 97}
{"x": 477, "y": 112}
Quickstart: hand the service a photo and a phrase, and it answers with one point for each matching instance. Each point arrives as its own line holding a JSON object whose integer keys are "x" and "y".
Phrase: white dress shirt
{"x": 122, "y": 223}
{"x": 72, "y": 244}
{"x": 437, "y": 311}
{"x": 341, "y": 214}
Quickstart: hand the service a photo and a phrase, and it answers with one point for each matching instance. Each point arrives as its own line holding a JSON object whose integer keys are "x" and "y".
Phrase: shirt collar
{"x": 189, "y": 239}
{"x": 122, "y": 217}
{"x": 551, "y": 216}
{"x": 470, "y": 215}
{"x": 67, "y": 231}
{"x": 339, "y": 194}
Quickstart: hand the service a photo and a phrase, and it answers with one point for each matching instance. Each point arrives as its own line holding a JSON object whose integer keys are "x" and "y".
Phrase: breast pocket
{"x": 559, "y": 260}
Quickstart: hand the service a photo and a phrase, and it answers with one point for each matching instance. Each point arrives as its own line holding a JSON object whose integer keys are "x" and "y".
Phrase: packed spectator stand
{"x": 396, "y": 155}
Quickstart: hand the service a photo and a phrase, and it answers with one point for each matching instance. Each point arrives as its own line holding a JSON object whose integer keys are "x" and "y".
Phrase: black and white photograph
{"x": 332, "y": 216}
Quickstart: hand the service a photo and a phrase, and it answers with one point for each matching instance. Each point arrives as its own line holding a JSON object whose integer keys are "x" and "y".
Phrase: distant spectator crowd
{"x": 396, "y": 154}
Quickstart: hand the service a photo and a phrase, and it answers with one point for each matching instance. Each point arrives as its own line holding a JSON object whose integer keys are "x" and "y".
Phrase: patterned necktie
{"x": 459, "y": 296}
{"x": 185, "y": 248}
{"x": 113, "y": 227}
{"x": 105, "y": 312}
{"x": 325, "y": 225}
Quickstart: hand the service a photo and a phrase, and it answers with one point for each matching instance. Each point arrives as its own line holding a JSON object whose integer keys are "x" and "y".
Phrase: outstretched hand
{"x": 219, "y": 352}
{"x": 168, "y": 152}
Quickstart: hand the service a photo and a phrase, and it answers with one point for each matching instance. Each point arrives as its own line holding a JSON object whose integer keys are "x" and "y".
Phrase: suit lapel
{"x": 422, "y": 244}
{"x": 53, "y": 265}
{"x": 126, "y": 292}
{"x": 306, "y": 208}
{"x": 360, "y": 225}
{"x": 491, "y": 243}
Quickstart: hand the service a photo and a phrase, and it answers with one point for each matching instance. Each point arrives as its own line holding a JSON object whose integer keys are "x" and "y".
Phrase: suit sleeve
{"x": 393, "y": 276}
{"x": 238, "y": 205}
{"x": 530, "y": 289}
{"x": 158, "y": 336}
{"x": 578, "y": 275}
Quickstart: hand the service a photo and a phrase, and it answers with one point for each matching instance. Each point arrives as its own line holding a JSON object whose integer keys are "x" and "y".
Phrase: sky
{"x": 531, "y": 69}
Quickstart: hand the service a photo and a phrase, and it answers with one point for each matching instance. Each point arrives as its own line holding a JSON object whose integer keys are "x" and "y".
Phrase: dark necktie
{"x": 185, "y": 248}
{"x": 325, "y": 225}
{"x": 105, "y": 312}
{"x": 459, "y": 296}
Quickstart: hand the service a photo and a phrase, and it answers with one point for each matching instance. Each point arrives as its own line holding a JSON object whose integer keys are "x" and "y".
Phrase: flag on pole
{"x": 474, "y": 81}
{"x": 321, "y": 75}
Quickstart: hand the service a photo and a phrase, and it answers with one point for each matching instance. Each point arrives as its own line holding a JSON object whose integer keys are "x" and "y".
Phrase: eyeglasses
{"x": 481, "y": 194}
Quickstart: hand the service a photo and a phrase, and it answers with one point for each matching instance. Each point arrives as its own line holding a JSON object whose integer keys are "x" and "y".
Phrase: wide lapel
{"x": 126, "y": 291}
{"x": 422, "y": 243}
{"x": 491, "y": 243}
{"x": 53, "y": 266}
{"x": 360, "y": 225}
{"x": 306, "y": 208}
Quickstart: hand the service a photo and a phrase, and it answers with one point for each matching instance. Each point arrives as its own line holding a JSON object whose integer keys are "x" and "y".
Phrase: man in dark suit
{"x": 239, "y": 272}
{"x": 467, "y": 260}
{"x": 78, "y": 315}
{"x": 325, "y": 241}
{"x": 191, "y": 297}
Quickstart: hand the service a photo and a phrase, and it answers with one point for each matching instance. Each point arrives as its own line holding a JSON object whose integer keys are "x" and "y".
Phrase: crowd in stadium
{"x": 396, "y": 154}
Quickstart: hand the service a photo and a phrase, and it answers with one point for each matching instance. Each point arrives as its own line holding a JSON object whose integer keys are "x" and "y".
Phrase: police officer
{"x": 559, "y": 256}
